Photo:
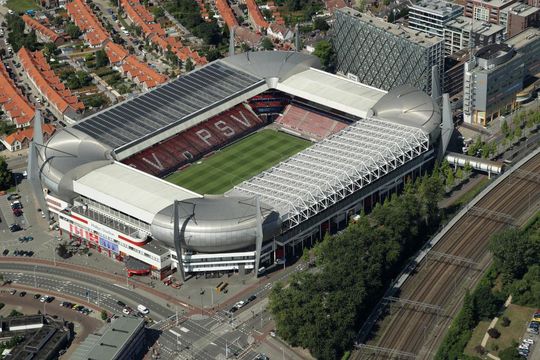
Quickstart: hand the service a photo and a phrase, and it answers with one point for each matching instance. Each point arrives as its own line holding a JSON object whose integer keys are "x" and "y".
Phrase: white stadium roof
{"x": 332, "y": 91}
{"x": 130, "y": 191}
{"x": 334, "y": 168}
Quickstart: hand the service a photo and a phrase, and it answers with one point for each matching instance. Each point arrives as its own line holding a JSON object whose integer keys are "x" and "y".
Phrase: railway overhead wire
{"x": 413, "y": 330}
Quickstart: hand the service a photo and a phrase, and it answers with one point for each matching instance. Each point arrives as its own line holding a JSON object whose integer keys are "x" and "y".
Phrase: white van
{"x": 142, "y": 309}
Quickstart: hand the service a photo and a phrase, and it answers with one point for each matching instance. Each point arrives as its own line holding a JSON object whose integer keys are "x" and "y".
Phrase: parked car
{"x": 43, "y": 298}
{"x": 121, "y": 303}
{"x": 37, "y": 296}
{"x": 13, "y": 197}
{"x": 251, "y": 298}
{"x": 12, "y": 292}
{"x": 22, "y": 294}
{"x": 14, "y": 227}
{"x": 127, "y": 310}
{"x": 6, "y": 251}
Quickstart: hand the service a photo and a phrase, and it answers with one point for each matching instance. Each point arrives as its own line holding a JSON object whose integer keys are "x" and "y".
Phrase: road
{"x": 62, "y": 280}
{"x": 417, "y": 329}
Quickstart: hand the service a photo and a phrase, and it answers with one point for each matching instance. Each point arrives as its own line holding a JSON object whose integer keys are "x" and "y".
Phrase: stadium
{"x": 233, "y": 166}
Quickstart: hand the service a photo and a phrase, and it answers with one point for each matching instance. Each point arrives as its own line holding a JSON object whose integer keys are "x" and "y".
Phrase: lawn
{"x": 476, "y": 338}
{"x": 238, "y": 162}
{"x": 519, "y": 317}
{"x": 22, "y": 5}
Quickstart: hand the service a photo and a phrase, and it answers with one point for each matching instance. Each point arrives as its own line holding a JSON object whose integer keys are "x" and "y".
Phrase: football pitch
{"x": 238, "y": 162}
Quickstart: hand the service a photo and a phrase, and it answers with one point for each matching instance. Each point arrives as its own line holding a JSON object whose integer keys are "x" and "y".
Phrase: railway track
{"x": 413, "y": 329}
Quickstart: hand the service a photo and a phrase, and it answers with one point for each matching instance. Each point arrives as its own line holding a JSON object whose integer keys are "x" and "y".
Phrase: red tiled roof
{"x": 145, "y": 20}
{"x": 28, "y": 133}
{"x": 226, "y": 13}
{"x": 36, "y": 25}
{"x": 16, "y": 105}
{"x": 142, "y": 72}
{"x": 49, "y": 84}
{"x": 115, "y": 52}
{"x": 331, "y": 5}
{"x": 84, "y": 18}
{"x": 255, "y": 14}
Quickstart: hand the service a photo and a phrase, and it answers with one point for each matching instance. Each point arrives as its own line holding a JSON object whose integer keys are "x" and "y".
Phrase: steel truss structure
{"x": 327, "y": 172}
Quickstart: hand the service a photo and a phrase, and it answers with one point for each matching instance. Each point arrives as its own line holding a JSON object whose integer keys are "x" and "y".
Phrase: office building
{"x": 430, "y": 16}
{"x": 496, "y": 74}
{"x": 458, "y": 33}
{"x": 384, "y": 55}
{"x": 123, "y": 339}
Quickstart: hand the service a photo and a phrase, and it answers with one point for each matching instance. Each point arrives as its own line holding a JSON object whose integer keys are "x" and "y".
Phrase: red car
{"x": 17, "y": 212}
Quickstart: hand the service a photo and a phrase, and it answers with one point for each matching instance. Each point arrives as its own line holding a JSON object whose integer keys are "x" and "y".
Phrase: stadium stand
{"x": 13, "y": 103}
{"x": 48, "y": 84}
{"x": 255, "y": 15}
{"x": 226, "y": 13}
{"x": 81, "y": 14}
{"x": 269, "y": 102}
{"x": 45, "y": 34}
{"x": 196, "y": 142}
{"x": 139, "y": 15}
{"x": 309, "y": 122}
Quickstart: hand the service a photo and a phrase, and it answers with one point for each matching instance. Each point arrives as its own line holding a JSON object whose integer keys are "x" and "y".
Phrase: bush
{"x": 2, "y": 305}
{"x": 104, "y": 315}
{"x": 505, "y": 321}
{"x": 480, "y": 349}
{"x": 494, "y": 333}
{"x": 15, "y": 313}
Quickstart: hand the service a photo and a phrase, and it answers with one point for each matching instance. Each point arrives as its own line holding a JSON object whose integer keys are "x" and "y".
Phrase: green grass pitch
{"x": 238, "y": 162}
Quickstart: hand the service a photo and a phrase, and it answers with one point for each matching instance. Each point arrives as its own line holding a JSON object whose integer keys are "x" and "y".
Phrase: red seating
{"x": 309, "y": 123}
{"x": 195, "y": 142}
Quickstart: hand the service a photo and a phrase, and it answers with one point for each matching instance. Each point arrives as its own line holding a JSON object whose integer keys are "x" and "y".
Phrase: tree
{"x": 15, "y": 313}
{"x": 212, "y": 54}
{"x": 510, "y": 353}
{"x": 6, "y": 176}
{"x": 62, "y": 250}
{"x": 361, "y": 5}
{"x": 505, "y": 322}
{"x": 513, "y": 253}
{"x": 101, "y": 58}
{"x": 320, "y": 24}
{"x": 494, "y": 333}
{"x": 459, "y": 173}
{"x": 517, "y": 133}
{"x": 267, "y": 44}
{"x": 50, "y": 49}
{"x": 325, "y": 52}
{"x": 104, "y": 315}
{"x": 95, "y": 100}
{"x": 189, "y": 65}
{"x": 158, "y": 12}
{"x": 487, "y": 305}
{"x": 73, "y": 31}
{"x": 504, "y": 128}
